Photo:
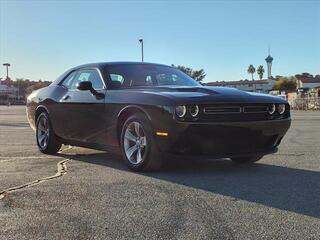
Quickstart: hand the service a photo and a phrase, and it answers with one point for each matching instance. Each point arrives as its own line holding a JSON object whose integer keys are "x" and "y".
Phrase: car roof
{"x": 104, "y": 64}
{"x": 100, "y": 65}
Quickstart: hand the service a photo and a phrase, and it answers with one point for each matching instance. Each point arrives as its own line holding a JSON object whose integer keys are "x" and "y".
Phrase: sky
{"x": 42, "y": 39}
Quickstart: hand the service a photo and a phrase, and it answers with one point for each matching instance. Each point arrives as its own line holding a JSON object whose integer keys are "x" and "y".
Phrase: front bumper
{"x": 224, "y": 139}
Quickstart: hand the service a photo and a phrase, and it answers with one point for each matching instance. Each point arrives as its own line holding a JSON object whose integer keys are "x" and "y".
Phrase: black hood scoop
{"x": 197, "y": 89}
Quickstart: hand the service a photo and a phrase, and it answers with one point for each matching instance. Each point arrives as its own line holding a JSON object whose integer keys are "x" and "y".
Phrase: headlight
{"x": 271, "y": 109}
{"x": 281, "y": 108}
{"x": 194, "y": 110}
{"x": 181, "y": 111}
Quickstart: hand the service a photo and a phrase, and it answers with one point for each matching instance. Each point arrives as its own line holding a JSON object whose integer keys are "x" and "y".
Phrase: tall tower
{"x": 269, "y": 60}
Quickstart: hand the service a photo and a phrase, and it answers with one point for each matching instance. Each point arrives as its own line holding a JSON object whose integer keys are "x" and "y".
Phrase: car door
{"x": 85, "y": 112}
{"x": 59, "y": 110}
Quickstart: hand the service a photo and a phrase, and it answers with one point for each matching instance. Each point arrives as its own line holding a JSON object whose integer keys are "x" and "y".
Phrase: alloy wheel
{"x": 43, "y": 132}
{"x": 135, "y": 142}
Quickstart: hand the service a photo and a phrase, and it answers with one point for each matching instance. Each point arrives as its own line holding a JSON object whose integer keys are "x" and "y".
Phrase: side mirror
{"x": 85, "y": 86}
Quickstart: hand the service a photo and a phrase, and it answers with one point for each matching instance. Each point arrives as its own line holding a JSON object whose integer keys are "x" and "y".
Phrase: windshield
{"x": 135, "y": 75}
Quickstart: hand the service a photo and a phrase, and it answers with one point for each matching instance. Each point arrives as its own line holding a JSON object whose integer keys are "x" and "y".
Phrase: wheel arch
{"x": 125, "y": 113}
{"x": 40, "y": 109}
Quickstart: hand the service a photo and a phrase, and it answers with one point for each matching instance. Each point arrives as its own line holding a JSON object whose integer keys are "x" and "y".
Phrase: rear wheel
{"x": 249, "y": 159}
{"x": 138, "y": 148}
{"x": 46, "y": 140}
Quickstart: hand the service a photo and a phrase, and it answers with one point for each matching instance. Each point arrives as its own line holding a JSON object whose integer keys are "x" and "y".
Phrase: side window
{"x": 90, "y": 75}
{"x": 67, "y": 82}
{"x": 116, "y": 80}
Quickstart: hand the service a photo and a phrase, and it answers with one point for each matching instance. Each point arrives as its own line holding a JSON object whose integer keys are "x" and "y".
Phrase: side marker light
{"x": 162, "y": 134}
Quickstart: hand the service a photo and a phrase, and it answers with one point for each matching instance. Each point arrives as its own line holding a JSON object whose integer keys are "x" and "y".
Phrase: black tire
{"x": 52, "y": 144}
{"x": 246, "y": 160}
{"x": 151, "y": 157}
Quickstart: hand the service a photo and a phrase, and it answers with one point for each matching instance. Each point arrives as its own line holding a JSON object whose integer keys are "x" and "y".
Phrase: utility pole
{"x": 7, "y": 65}
{"x": 141, "y": 41}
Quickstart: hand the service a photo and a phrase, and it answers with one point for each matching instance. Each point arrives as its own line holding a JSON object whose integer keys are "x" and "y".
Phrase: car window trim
{"x": 99, "y": 73}
{"x": 81, "y": 69}
{"x": 65, "y": 78}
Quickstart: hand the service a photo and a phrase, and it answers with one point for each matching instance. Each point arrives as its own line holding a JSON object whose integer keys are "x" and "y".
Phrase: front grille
{"x": 222, "y": 110}
{"x": 238, "y": 112}
{"x": 255, "y": 109}
{"x": 235, "y": 109}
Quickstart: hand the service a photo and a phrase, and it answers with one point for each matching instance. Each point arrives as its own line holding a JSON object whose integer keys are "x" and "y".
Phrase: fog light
{"x": 194, "y": 110}
{"x": 281, "y": 108}
{"x": 271, "y": 109}
{"x": 181, "y": 111}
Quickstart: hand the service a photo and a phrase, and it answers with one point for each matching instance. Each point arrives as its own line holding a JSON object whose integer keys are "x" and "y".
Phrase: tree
{"x": 285, "y": 83}
{"x": 197, "y": 75}
{"x": 304, "y": 74}
{"x": 36, "y": 86}
{"x": 260, "y": 71}
{"x": 251, "y": 70}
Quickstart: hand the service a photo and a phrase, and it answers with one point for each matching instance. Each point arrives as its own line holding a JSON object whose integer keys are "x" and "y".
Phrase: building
{"x": 308, "y": 81}
{"x": 8, "y": 93}
{"x": 263, "y": 86}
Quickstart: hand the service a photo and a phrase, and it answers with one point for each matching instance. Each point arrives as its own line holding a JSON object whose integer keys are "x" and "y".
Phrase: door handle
{"x": 66, "y": 97}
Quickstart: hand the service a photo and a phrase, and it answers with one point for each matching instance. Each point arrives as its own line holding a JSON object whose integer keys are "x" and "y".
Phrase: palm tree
{"x": 251, "y": 70}
{"x": 197, "y": 75}
{"x": 260, "y": 71}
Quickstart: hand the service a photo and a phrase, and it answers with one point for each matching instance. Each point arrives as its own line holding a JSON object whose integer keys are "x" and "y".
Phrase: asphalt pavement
{"x": 86, "y": 194}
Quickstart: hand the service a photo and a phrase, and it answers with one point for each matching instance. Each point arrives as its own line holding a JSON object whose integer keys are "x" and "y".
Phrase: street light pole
{"x": 7, "y": 65}
{"x": 141, "y": 41}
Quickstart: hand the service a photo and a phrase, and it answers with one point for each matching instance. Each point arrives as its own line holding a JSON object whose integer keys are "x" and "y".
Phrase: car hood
{"x": 204, "y": 94}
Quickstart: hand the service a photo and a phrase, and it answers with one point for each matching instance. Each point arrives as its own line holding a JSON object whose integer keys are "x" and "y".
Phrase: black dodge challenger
{"x": 147, "y": 111}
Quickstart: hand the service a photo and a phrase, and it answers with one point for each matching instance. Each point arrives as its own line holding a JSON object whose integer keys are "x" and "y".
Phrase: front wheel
{"x": 138, "y": 147}
{"x": 249, "y": 159}
{"x": 46, "y": 140}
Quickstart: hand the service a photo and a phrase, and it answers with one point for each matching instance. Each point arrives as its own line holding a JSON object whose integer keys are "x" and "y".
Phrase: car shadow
{"x": 289, "y": 189}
